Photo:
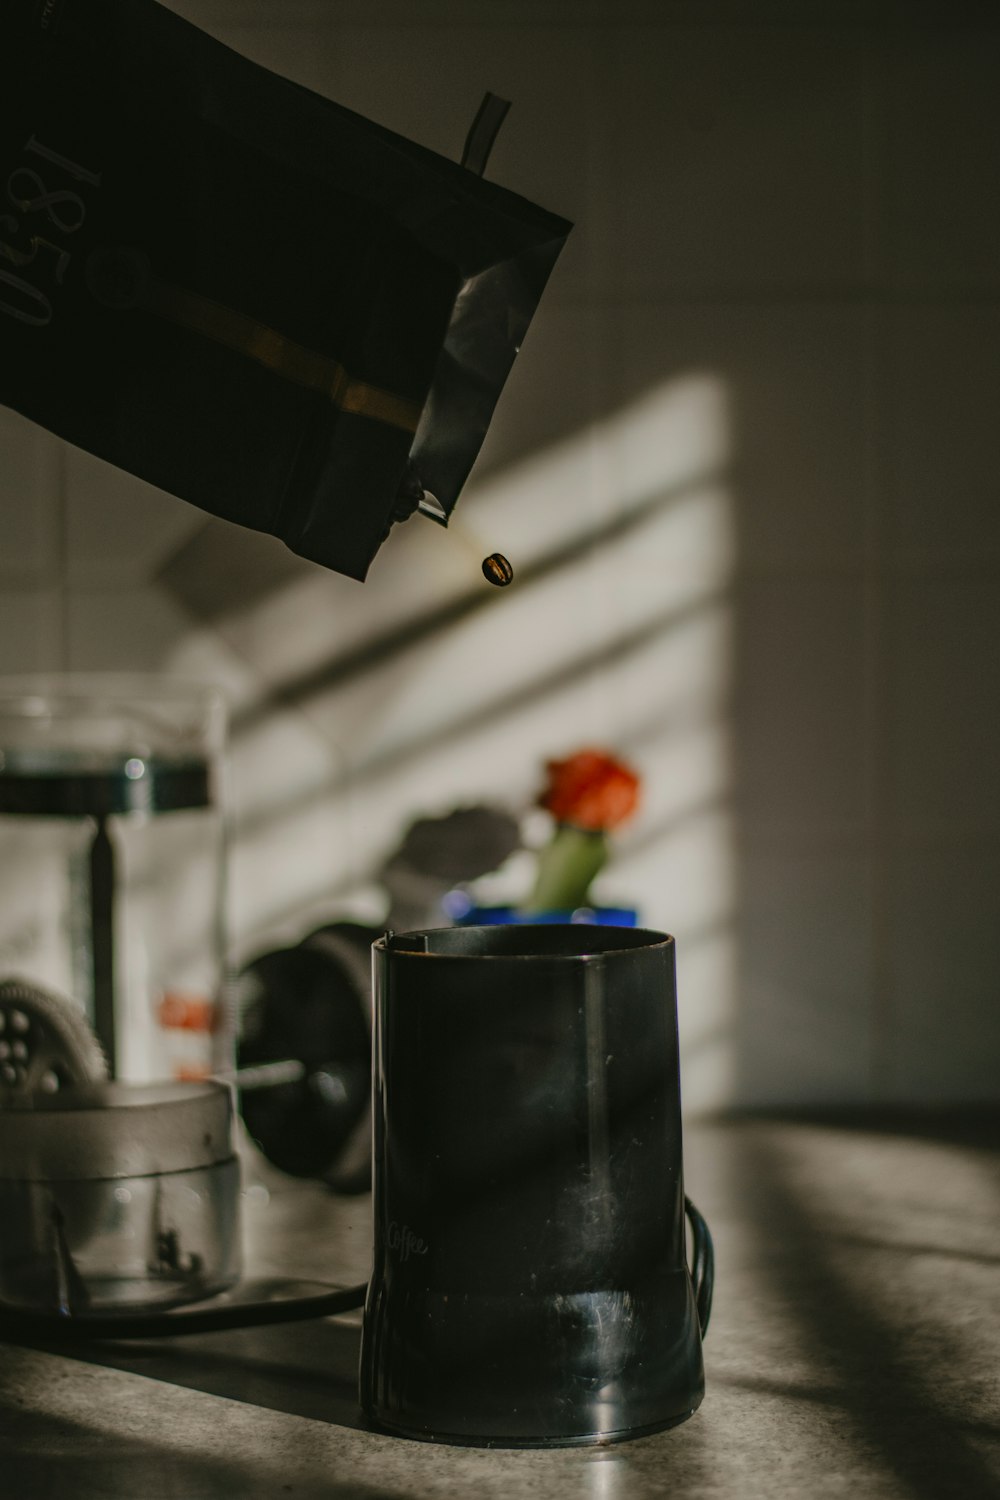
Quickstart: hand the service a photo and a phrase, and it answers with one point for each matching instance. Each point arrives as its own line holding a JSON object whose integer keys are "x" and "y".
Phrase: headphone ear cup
{"x": 304, "y": 1005}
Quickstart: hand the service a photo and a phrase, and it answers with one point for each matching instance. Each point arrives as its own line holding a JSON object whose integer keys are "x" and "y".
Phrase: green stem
{"x": 566, "y": 868}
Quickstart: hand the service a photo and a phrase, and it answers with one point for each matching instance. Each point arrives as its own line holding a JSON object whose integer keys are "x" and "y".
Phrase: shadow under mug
{"x": 530, "y": 1281}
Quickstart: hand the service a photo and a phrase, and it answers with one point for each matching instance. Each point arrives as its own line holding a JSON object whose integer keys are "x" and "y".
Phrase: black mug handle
{"x": 702, "y": 1264}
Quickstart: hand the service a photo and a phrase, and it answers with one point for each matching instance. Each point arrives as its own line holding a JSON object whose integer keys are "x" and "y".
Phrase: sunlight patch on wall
{"x": 617, "y": 630}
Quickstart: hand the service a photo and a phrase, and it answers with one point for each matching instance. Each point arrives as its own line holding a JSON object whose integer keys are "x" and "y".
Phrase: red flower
{"x": 591, "y": 790}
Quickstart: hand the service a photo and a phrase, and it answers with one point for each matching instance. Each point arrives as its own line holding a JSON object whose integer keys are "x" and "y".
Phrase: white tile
{"x": 31, "y": 636}
{"x": 943, "y": 709}
{"x": 801, "y": 740}
{"x": 681, "y": 878}
{"x": 584, "y": 489}
{"x": 557, "y": 387}
{"x": 938, "y": 90}
{"x": 118, "y": 527}
{"x": 793, "y": 436}
{"x": 295, "y": 44}
{"x": 645, "y": 647}
{"x": 706, "y": 1006}
{"x": 804, "y": 964}
{"x": 944, "y": 439}
{"x": 739, "y": 159}
{"x": 540, "y": 635}
{"x": 29, "y": 491}
{"x": 667, "y": 690}
{"x": 128, "y": 629}
{"x": 284, "y": 867}
{"x": 426, "y": 83}
{"x": 945, "y": 957}
{"x": 201, "y": 655}
{"x": 261, "y": 793}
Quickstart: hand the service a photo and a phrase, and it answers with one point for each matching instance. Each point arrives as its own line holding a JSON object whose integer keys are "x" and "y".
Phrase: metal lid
{"x": 106, "y": 1130}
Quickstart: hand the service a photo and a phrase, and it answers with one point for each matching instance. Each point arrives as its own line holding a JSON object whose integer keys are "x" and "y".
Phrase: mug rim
{"x": 537, "y": 941}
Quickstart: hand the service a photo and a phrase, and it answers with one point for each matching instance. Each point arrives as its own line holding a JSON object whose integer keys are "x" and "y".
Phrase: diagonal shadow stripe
{"x": 386, "y": 645}
{"x": 884, "y": 1383}
{"x": 47, "y": 1452}
{"x": 543, "y": 685}
{"x": 448, "y": 731}
{"x": 907, "y": 1248}
{"x": 307, "y": 1370}
{"x": 819, "y": 1395}
{"x": 391, "y": 760}
{"x": 682, "y": 715}
{"x": 664, "y": 829}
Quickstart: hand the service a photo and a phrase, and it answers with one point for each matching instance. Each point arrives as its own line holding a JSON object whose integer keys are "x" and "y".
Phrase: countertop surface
{"x": 854, "y": 1349}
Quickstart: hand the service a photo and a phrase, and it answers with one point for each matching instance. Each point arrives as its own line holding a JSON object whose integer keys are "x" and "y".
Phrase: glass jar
{"x": 112, "y": 871}
{"x": 118, "y": 1197}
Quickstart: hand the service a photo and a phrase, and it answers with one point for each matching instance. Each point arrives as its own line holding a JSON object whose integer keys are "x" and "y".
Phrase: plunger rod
{"x": 102, "y": 914}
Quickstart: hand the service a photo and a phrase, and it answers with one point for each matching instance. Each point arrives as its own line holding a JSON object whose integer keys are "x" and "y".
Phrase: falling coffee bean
{"x": 496, "y": 569}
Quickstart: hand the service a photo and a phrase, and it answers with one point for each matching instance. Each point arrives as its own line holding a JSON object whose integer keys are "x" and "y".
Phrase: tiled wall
{"x": 751, "y": 446}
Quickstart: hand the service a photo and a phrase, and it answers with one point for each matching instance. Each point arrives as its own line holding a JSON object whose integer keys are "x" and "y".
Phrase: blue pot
{"x": 599, "y": 916}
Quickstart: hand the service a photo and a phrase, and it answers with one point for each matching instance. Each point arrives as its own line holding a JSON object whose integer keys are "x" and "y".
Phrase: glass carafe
{"x": 112, "y": 867}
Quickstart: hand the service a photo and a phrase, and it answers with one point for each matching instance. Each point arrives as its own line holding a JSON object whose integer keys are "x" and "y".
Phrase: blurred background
{"x": 746, "y": 470}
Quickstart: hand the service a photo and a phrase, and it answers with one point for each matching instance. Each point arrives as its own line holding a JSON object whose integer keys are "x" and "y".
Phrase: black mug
{"x": 530, "y": 1283}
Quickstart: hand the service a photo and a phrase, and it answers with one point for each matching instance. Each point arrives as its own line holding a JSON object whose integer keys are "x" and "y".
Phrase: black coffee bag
{"x": 238, "y": 290}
